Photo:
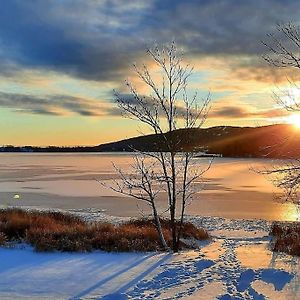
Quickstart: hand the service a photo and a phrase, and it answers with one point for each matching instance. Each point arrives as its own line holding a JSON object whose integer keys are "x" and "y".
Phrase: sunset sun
{"x": 294, "y": 120}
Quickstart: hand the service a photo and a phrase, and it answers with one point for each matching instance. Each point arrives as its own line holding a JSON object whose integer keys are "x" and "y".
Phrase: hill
{"x": 276, "y": 141}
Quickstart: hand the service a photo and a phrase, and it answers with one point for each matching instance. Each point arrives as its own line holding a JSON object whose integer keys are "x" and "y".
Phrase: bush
{"x": 15, "y": 223}
{"x": 72, "y": 239}
{"x": 286, "y": 237}
{"x": 50, "y": 231}
{"x": 188, "y": 230}
{"x": 191, "y": 231}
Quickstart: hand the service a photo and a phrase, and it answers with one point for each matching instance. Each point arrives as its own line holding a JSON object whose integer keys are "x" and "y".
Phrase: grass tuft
{"x": 286, "y": 237}
{"x": 55, "y": 231}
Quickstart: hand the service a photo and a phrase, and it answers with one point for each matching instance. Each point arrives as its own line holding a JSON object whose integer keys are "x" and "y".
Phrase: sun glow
{"x": 294, "y": 120}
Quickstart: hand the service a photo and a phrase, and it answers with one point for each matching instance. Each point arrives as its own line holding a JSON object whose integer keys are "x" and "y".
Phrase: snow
{"x": 235, "y": 264}
{"x": 27, "y": 274}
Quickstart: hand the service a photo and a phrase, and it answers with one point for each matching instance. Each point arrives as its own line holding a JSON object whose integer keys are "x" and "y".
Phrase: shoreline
{"x": 211, "y": 222}
{"x": 231, "y": 205}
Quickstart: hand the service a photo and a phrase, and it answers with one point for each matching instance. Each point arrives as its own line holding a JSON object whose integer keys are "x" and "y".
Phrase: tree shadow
{"x": 134, "y": 281}
{"x": 118, "y": 273}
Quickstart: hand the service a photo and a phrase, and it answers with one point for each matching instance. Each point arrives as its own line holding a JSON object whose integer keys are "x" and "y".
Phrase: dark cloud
{"x": 57, "y": 105}
{"x": 227, "y": 26}
{"x": 81, "y": 38}
{"x": 38, "y": 111}
{"x": 230, "y": 112}
{"x": 60, "y": 105}
{"x": 239, "y": 112}
{"x": 98, "y": 40}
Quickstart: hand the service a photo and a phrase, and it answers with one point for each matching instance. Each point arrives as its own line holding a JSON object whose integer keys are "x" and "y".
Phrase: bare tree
{"x": 167, "y": 108}
{"x": 284, "y": 47}
{"x": 141, "y": 184}
{"x": 284, "y": 52}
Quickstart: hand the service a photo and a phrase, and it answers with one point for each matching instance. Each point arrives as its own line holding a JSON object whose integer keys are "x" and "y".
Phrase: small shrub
{"x": 191, "y": 231}
{"x": 286, "y": 237}
{"x": 147, "y": 231}
{"x": 14, "y": 224}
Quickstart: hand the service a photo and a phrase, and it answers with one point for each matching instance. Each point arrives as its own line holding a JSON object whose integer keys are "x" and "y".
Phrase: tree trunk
{"x": 173, "y": 205}
{"x": 180, "y": 226}
{"x": 173, "y": 227}
{"x": 159, "y": 228}
{"x": 183, "y": 200}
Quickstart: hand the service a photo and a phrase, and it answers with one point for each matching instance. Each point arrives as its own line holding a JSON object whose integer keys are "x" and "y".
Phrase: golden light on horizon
{"x": 294, "y": 119}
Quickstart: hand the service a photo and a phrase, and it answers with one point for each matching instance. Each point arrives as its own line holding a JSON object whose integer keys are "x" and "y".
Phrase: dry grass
{"x": 14, "y": 223}
{"x": 50, "y": 231}
{"x": 286, "y": 237}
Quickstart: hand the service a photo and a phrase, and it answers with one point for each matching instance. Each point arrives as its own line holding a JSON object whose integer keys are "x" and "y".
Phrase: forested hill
{"x": 277, "y": 141}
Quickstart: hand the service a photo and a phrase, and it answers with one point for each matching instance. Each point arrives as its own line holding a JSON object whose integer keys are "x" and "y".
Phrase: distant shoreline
{"x": 220, "y": 141}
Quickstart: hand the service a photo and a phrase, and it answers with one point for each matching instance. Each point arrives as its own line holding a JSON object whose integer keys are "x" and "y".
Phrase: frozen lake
{"x": 67, "y": 181}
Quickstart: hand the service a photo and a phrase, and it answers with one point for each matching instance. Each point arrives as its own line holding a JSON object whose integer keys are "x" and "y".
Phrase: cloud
{"x": 62, "y": 105}
{"x": 255, "y": 69}
{"x": 87, "y": 39}
{"x": 245, "y": 112}
{"x": 56, "y": 105}
{"x": 222, "y": 110}
{"x": 230, "y": 112}
{"x": 97, "y": 40}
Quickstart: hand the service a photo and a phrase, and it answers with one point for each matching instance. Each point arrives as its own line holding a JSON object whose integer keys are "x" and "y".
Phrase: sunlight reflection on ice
{"x": 290, "y": 212}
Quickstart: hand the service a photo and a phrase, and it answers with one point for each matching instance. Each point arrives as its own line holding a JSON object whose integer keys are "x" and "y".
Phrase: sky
{"x": 61, "y": 60}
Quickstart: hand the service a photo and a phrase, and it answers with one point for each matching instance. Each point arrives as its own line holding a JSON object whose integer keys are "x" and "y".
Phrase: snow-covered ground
{"x": 235, "y": 264}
